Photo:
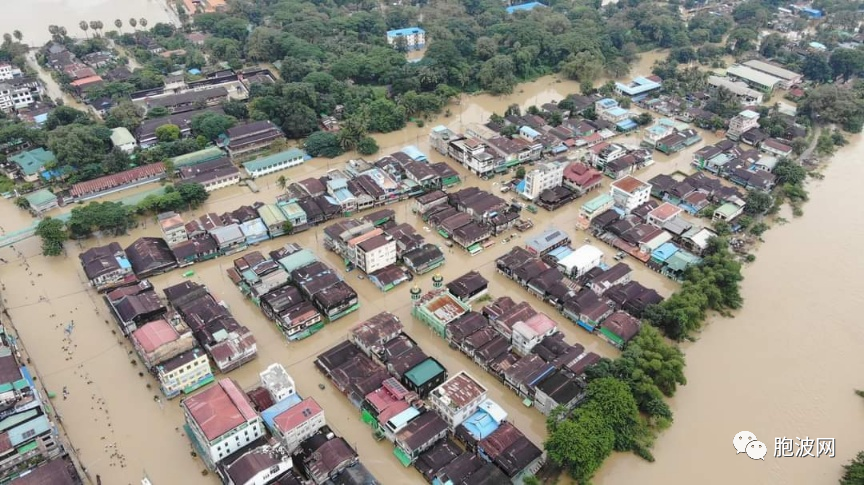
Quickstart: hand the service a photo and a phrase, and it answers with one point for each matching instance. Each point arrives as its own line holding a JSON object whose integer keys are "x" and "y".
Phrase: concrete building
{"x": 410, "y": 38}
{"x": 220, "y": 421}
{"x": 629, "y": 193}
{"x": 300, "y": 420}
{"x": 787, "y": 78}
{"x": 375, "y": 253}
{"x": 40, "y": 201}
{"x": 457, "y": 398}
{"x": 184, "y": 373}
{"x": 580, "y": 261}
{"x": 278, "y": 382}
{"x": 274, "y": 163}
{"x": 212, "y": 174}
{"x": 121, "y": 138}
{"x": 29, "y": 164}
{"x": 746, "y": 96}
{"x": 638, "y": 86}
{"x": 438, "y": 308}
{"x": 8, "y": 71}
{"x": 18, "y": 93}
{"x": 742, "y": 122}
{"x": 105, "y": 266}
{"x": 526, "y": 334}
{"x": 260, "y": 463}
{"x": 173, "y": 228}
{"x": 596, "y": 206}
{"x": 758, "y": 80}
{"x": 543, "y": 176}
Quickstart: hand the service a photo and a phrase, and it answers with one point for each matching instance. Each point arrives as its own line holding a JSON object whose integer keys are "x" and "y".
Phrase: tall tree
{"x": 133, "y": 23}
{"x": 143, "y": 23}
{"x": 18, "y": 35}
{"x": 119, "y": 24}
{"x": 84, "y": 26}
{"x": 53, "y": 234}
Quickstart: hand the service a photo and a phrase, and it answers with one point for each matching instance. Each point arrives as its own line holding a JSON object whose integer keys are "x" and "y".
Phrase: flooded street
{"x": 775, "y": 369}
{"x": 33, "y": 17}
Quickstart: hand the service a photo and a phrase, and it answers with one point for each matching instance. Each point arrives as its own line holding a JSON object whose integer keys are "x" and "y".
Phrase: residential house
{"x": 727, "y": 212}
{"x": 616, "y": 275}
{"x": 260, "y": 462}
{"x": 581, "y": 178}
{"x": 28, "y": 165}
{"x": 41, "y": 201}
{"x": 183, "y": 373}
{"x": 220, "y": 420}
{"x": 776, "y": 147}
{"x": 741, "y": 123}
{"x": 559, "y": 389}
{"x": 629, "y": 193}
{"x": 173, "y": 228}
{"x": 150, "y": 256}
{"x": 105, "y": 266}
{"x": 293, "y": 420}
{"x": 469, "y": 286}
{"x": 542, "y": 177}
{"x": 678, "y": 141}
{"x": 121, "y": 138}
{"x": 326, "y": 457}
{"x": 457, "y": 398}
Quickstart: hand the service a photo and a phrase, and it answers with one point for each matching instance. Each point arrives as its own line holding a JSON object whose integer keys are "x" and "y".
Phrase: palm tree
{"x": 54, "y": 31}
{"x": 18, "y": 35}
{"x": 143, "y": 23}
{"x": 119, "y": 24}
{"x": 282, "y": 182}
{"x": 7, "y": 38}
{"x": 133, "y": 23}
{"x": 100, "y": 26}
{"x": 83, "y": 25}
{"x": 94, "y": 25}
{"x": 63, "y": 32}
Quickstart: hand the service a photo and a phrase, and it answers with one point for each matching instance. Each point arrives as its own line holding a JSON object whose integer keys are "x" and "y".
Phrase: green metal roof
{"x": 682, "y": 260}
{"x": 17, "y": 419}
{"x": 298, "y": 260}
{"x": 121, "y": 136}
{"x": 727, "y": 210}
{"x": 424, "y": 371}
{"x": 200, "y": 156}
{"x": 40, "y": 197}
{"x": 275, "y": 159}
{"x": 32, "y": 161}
{"x": 597, "y": 202}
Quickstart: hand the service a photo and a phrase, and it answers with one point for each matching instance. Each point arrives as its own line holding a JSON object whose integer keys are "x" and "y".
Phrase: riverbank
{"x": 779, "y": 367}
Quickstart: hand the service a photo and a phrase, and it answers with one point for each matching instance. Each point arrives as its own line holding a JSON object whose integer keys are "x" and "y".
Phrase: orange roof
{"x": 664, "y": 211}
{"x": 220, "y": 408}
{"x": 628, "y": 184}
{"x": 86, "y": 80}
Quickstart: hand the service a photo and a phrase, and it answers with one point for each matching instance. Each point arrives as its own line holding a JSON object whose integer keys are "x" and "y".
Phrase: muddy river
{"x": 755, "y": 372}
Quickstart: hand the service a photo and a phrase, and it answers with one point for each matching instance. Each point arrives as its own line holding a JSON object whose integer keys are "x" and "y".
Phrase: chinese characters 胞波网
{"x": 803, "y": 447}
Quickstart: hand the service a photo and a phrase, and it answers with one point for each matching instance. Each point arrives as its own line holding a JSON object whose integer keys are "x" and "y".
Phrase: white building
{"x": 258, "y": 466}
{"x": 173, "y": 228}
{"x": 529, "y": 333}
{"x": 742, "y": 122}
{"x": 14, "y": 96}
{"x": 412, "y": 38}
{"x": 543, "y": 176}
{"x": 278, "y": 382}
{"x": 298, "y": 423}
{"x": 375, "y": 253}
{"x": 7, "y": 71}
{"x": 274, "y": 163}
{"x": 457, "y": 398}
{"x": 787, "y": 78}
{"x": 629, "y": 193}
{"x": 221, "y": 420}
{"x": 580, "y": 261}
{"x": 121, "y": 138}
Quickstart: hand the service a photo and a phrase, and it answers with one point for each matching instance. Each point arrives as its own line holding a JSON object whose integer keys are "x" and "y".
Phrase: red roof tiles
{"x": 118, "y": 179}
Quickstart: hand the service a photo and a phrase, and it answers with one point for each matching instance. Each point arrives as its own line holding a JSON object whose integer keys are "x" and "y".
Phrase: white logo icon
{"x": 741, "y": 440}
{"x": 756, "y": 450}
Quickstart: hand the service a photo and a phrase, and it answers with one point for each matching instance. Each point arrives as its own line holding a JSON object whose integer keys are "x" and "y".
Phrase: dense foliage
{"x": 53, "y": 235}
{"x": 711, "y": 285}
{"x": 853, "y": 473}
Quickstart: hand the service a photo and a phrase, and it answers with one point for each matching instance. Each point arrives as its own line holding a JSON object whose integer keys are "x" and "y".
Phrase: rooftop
{"x": 220, "y": 408}
{"x": 425, "y": 371}
{"x": 275, "y": 159}
{"x": 459, "y": 390}
{"x": 32, "y": 161}
{"x": 155, "y": 334}
{"x": 629, "y": 184}
{"x": 121, "y": 136}
{"x": 306, "y": 410}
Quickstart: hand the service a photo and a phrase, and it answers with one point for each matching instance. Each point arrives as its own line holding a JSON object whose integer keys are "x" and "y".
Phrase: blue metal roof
{"x": 560, "y": 253}
{"x": 480, "y": 424}
{"x": 27, "y": 431}
{"x": 664, "y": 252}
{"x": 524, "y": 7}
{"x": 405, "y": 31}
{"x": 528, "y": 131}
{"x": 414, "y": 153}
{"x": 269, "y": 414}
{"x": 626, "y": 125}
{"x": 404, "y": 417}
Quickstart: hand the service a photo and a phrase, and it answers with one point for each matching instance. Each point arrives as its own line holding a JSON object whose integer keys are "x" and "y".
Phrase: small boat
{"x": 321, "y": 386}
{"x": 188, "y": 274}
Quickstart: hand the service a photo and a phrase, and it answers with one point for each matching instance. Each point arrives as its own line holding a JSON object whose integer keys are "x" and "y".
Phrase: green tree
{"x": 79, "y": 145}
{"x": 367, "y": 146}
{"x": 520, "y": 172}
{"x": 169, "y": 132}
{"x": 22, "y": 203}
{"x": 581, "y": 443}
{"x": 53, "y": 234}
{"x": 66, "y": 115}
{"x": 847, "y": 62}
{"x": 210, "y": 125}
{"x": 384, "y": 116}
{"x": 323, "y": 144}
{"x": 282, "y": 182}
{"x": 853, "y": 473}
{"x": 125, "y": 114}
{"x": 111, "y": 217}
{"x": 758, "y": 202}
{"x": 193, "y": 194}
{"x": 237, "y": 109}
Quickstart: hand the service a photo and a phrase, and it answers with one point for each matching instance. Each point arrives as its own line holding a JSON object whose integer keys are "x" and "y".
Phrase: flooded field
{"x": 33, "y": 17}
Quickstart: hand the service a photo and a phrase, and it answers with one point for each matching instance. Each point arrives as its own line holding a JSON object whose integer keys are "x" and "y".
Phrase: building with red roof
{"x": 220, "y": 421}
{"x": 112, "y": 183}
{"x": 298, "y": 423}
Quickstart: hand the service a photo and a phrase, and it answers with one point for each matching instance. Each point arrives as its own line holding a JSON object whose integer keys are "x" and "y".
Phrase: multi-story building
{"x": 220, "y": 421}
{"x": 629, "y": 193}
{"x": 274, "y": 163}
{"x": 7, "y": 71}
{"x": 742, "y": 122}
{"x": 16, "y": 95}
{"x": 457, "y": 398}
{"x": 173, "y": 228}
{"x": 301, "y": 420}
{"x": 184, "y": 373}
{"x": 278, "y": 382}
{"x": 410, "y": 38}
{"x": 105, "y": 266}
{"x": 375, "y": 253}
{"x": 543, "y": 176}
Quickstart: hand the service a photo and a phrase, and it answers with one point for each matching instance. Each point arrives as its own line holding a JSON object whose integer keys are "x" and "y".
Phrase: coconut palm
{"x": 18, "y": 35}
{"x": 133, "y": 23}
{"x": 94, "y": 26}
{"x": 143, "y": 23}
{"x": 54, "y": 31}
{"x": 282, "y": 182}
{"x": 83, "y": 26}
{"x": 100, "y": 26}
{"x": 119, "y": 24}
{"x": 7, "y": 38}
{"x": 62, "y": 31}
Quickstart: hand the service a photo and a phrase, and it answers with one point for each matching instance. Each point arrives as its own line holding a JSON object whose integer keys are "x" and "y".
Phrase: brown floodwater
{"x": 764, "y": 365}
{"x": 33, "y": 17}
{"x": 110, "y": 403}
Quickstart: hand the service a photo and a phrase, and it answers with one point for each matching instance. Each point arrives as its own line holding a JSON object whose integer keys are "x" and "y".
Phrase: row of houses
{"x": 269, "y": 434}
{"x": 376, "y": 243}
{"x": 581, "y": 286}
{"x": 468, "y": 217}
{"x": 407, "y": 398}
{"x": 32, "y": 451}
{"x": 294, "y": 289}
{"x": 513, "y": 342}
